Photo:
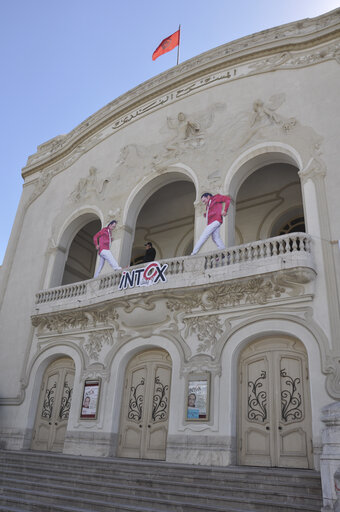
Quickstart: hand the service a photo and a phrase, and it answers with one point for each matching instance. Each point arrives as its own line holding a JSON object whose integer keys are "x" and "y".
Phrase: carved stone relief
{"x": 190, "y": 130}
{"x": 257, "y": 290}
{"x": 207, "y": 329}
{"x": 201, "y": 363}
{"x": 75, "y": 320}
{"x": 185, "y": 133}
{"x": 333, "y": 377}
{"x": 87, "y": 186}
{"x": 264, "y": 122}
{"x": 96, "y": 340}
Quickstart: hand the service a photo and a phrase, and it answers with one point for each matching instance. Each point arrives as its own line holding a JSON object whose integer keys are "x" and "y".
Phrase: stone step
{"x": 186, "y": 494}
{"x": 241, "y": 484}
{"x": 121, "y": 467}
{"x": 13, "y": 504}
{"x": 54, "y": 482}
{"x": 181, "y": 490}
{"x": 103, "y": 501}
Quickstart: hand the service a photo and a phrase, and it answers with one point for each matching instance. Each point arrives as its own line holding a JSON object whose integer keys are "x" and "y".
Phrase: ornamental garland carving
{"x": 186, "y": 303}
{"x": 75, "y": 320}
{"x": 96, "y": 341}
{"x": 207, "y": 329}
{"x": 253, "y": 291}
{"x": 258, "y": 290}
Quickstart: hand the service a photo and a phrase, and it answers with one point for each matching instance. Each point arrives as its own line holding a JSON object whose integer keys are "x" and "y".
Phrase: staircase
{"x": 46, "y": 482}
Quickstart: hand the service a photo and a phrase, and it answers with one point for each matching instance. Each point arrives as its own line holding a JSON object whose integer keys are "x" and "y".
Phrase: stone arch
{"x": 65, "y": 236}
{"x": 272, "y": 324}
{"x": 250, "y": 161}
{"x": 142, "y": 193}
{"x": 36, "y": 371}
{"x": 273, "y": 405}
{"x": 123, "y": 357}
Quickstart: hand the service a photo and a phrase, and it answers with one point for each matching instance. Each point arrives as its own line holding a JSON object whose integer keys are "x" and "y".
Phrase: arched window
{"x": 296, "y": 225}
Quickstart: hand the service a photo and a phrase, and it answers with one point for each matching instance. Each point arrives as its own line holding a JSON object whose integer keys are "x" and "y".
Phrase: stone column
{"x": 122, "y": 244}
{"x": 330, "y": 457}
{"x": 230, "y": 225}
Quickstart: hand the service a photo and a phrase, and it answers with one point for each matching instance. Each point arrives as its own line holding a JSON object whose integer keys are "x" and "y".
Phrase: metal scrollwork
{"x": 160, "y": 401}
{"x": 48, "y": 402}
{"x": 257, "y": 400}
{"x": 290, "y": 398}
{"x": 136, "y": 402}
{"x": 65, "y": 402}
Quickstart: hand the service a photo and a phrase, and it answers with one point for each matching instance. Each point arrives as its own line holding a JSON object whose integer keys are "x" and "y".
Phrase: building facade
{"x": 226, "y": 357}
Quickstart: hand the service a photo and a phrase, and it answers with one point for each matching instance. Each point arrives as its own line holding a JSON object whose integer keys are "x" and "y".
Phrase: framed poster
{"x": 198, "y": 392}
{"x": 90, "y": 401}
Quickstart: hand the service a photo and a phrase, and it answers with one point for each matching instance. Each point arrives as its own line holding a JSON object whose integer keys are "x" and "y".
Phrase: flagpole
{"x": 179, "y": 40}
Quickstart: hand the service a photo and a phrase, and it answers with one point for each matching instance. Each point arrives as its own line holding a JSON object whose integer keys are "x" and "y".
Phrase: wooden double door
{"x": 275, "y": 415}
{"x": 145, "y": 406}
{"x": 54, "y": 406}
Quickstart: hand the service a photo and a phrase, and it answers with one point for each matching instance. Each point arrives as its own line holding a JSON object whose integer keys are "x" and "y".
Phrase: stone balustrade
{"x": 255, "y": 258}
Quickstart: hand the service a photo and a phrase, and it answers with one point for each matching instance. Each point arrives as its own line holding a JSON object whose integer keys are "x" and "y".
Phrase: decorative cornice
{"x": 206, "y": 70}
{"x": 242, "y": 292}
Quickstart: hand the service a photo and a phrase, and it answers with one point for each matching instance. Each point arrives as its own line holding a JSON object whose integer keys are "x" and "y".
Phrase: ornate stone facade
{"x": 250, "y": 119}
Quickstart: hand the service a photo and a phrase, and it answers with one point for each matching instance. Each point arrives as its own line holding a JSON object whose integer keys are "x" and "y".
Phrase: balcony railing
{"x": 259, "y": 257}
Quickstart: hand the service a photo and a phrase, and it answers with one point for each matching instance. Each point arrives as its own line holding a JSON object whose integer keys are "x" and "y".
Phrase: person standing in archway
{"x": 102, "y": 241}
{"x": 150, "y": 253}
{"x": 214, "y": 214}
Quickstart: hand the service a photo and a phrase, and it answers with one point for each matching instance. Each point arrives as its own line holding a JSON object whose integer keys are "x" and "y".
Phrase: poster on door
{"x": 90, "y": 400}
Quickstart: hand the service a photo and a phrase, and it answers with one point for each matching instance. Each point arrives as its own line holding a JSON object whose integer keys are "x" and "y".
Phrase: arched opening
{"x": 269, "y": 203}
{"x": 161, "y": 212}
{"x": 75, "y": 256}
{"x": 54, "y": 406}
{"x": 166, "y": 219}
{"x": 145, "y": 406}
{"x": 82, "y": 255}
{"x": 274, "y": 427}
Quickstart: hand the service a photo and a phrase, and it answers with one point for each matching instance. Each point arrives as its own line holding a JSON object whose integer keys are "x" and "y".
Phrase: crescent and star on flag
{"x": 168, "y": 44}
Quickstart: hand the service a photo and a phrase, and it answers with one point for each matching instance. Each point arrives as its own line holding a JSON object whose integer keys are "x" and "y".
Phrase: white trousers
{"x": 106, "y": 254}
{"x": 212, "y": 230}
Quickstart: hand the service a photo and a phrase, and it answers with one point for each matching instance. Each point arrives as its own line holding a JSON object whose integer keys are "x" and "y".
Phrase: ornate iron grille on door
{"x": 291, "y": 401}
{"x": 257, "y": 399}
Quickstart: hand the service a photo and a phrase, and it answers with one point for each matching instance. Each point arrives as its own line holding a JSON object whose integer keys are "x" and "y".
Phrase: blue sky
{"x": 62, "y": 61}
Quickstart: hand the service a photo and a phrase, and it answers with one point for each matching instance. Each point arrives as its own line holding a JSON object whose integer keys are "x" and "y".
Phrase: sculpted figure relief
{"x": 88, "y": 185}
{"x": 190, "y": 129}
{"x": 189, "y": 135}
{"x": 255, "y": 124}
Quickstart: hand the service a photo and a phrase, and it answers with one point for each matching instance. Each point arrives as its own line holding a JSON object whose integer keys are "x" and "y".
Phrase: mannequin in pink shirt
{"x": 102, "y": 241}
{"x": 214, "y": 215}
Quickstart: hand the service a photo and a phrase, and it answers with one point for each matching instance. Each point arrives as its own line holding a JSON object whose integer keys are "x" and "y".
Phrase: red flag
{"x": 169, "y": 43}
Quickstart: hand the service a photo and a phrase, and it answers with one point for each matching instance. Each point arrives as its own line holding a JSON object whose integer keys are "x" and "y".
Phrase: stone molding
{"x": 244, "y": 291}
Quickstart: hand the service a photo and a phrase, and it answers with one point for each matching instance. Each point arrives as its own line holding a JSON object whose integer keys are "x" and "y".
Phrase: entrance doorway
{"x": 275, "y": 415}
{"x": 145, "y": 406}
{"x": 54, "y": 406}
